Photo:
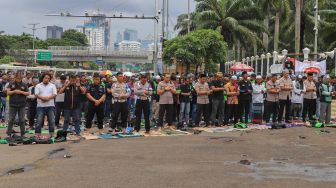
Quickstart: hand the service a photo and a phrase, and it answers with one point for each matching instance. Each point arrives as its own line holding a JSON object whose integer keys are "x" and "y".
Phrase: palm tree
{"x": 182, "y": 23}
{"x": 239, "y": 21}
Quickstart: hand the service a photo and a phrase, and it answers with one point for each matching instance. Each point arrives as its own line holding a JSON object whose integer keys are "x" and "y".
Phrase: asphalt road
{"x": 295, "y": 157}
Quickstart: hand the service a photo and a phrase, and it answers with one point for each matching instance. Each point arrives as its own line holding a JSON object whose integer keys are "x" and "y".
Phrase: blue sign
{"x": 100, "y": 62}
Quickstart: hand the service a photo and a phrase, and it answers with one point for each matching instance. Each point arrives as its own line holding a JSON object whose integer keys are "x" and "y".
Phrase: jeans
{"x": 75, "y": 114}
{"x": 32, "y": 113}
{"x": 3, "y": 108}
{"x": 59, "y": 109}
{"x": 20, "y": 111}
{"x": 108, "y": 109}
{"x": 50, "y": 113}
{"x": 232, "y": 113}
{"x": 217, "y": 108}
{"x": 184, "y": 111}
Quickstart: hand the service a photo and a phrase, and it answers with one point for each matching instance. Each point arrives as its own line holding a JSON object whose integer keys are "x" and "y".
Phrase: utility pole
{"x": 156, "y": 47}
{"x": 163, "y": 12}
{"x": 316, "y": 29}
{"x": 188, "y": 16}
{"x": 167, "y": 19}
{"x": 34, "y": 28}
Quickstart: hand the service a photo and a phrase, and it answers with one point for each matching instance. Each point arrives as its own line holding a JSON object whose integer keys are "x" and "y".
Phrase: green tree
{"x": 73, "y": 35}
{"x": 182, "y": 23}
{"x": 63, "y": 65}
{"x": 239, "y": 21}
{"x": 196, "y": 48}
{"x": 6, "y": 59}
{"x": 93, "y": 66}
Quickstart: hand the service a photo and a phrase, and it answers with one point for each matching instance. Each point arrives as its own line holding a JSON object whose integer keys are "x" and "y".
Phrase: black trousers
{"x": 232, "y": 113}
{"x": 309, "y": 105}
{"x": 120, "y": 108}
{"x": 32, "y": 113}
{"x": 272, "y": 108}
{"x": 92, "y": 110}
{"x": 59, "y": 110}
{"x": 142, "y": 106}
{"x": 284, "y": 103}
{"x": 202, "y": 109}
{"x": 168, "y": 110}
{"x": 244, "y": 109}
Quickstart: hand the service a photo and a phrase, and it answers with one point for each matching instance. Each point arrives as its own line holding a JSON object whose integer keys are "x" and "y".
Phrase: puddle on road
{"x": 57, "y": 153}
{"x": 278, "y": 169}
{"x": 20, "y": 170}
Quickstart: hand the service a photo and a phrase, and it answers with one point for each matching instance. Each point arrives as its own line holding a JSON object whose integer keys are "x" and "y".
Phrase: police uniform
{"x": 120, "y": 104}
{"x": 142, "y": 104}
{"x": 166, "y": 103}
{"x": 96, "y": 91}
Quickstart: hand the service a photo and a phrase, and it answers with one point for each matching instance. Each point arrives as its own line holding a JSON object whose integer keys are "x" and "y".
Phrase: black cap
{"x": 202, "y": 75}
{"x": 244, "y": 72}
{"x": 310, "y": 74}
{"x": 63, "y": 77}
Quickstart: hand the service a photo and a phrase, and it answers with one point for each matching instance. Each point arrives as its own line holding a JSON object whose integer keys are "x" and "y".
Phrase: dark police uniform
{"x": 96, "y": 91}
{"x": 120, "y": 104}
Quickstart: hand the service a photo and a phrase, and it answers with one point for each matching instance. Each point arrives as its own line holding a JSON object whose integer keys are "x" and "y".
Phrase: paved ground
{"x": 295, "y": 157}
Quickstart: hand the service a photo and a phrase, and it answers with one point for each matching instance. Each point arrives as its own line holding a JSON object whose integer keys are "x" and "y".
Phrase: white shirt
{"x": 297, "y": 94}
{"x": 258, "y": 93}
{"x": 59, "y": 97}
{"x": 45, "y": 91}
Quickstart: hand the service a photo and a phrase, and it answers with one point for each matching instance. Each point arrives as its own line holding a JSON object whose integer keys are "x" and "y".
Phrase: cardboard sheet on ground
{"x": 168, "y": 132}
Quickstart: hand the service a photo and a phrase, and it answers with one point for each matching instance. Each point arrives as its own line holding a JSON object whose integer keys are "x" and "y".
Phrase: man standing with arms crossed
{"x": 45, "y": 93}
{"x": 218, "y": 106}
{"x": 142, "y": 90}
{"x": 166, "y": 89}
{"x": 120, "y": 92}
{"x": 203, "y": 91}
{"x": 285, "y": 95}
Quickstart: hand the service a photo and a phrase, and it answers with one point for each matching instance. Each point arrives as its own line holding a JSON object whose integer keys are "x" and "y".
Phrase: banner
{"x": 301, "y": 66}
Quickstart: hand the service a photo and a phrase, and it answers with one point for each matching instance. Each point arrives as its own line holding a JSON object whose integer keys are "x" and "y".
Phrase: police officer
{"x": 142, "y": 90}
{"x": 166, "y": 89}
{"x": 120, "y": 92}
{"x": 96, "y": 94}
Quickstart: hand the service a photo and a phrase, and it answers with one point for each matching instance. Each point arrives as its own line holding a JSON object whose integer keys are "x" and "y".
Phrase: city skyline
{"x": 35, "y": 12}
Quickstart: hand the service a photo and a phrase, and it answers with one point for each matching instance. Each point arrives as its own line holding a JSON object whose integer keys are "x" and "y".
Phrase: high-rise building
{"x": 54, "y": 32}
{"x": 130, "y": 35}
{"x": 146, "y": 42}
{"x": 98, "y": 31}
{"x": 119, "y": 37}
{"x": 131, "y": 46}
{"x": 95, "y": 38}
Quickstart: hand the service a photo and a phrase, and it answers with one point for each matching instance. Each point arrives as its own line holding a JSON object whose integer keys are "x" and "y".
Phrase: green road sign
{"x": 44, "y": 56}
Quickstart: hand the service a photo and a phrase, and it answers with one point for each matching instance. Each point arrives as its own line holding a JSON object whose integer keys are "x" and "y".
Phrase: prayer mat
{"x": 90, "y": 137}
{"x": 2, "y": 126}
{"x": 44, "y": 131}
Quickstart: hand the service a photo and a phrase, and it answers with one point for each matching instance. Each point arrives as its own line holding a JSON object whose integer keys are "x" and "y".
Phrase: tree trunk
{"x": 297, "y": 26}
{"x": 276, "y": 30}
{"x": 265, "y": 35}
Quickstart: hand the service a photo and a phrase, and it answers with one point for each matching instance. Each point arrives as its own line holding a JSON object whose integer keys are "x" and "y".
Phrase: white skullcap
{"x": 300, "y": 76}
{"x": 157, "y": 77}
{"x": 259, "y": 77}
{"x": 234, "y": 77}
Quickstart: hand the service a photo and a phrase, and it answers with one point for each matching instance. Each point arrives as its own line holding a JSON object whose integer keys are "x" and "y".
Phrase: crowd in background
{"x": 168, "y": 100}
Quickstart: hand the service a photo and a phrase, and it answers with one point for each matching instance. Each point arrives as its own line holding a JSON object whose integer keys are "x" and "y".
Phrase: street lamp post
{"x": 275, "y": 57}
{"x": 247, "y": 61}
{"x": 252, "y": 59}
{"x": 262, "y": 64}
{"x": 34, "y": 28}
{"x": 256, "y": 64}
{"x": 268, "y": 55}
{"x": 316, "y": 29}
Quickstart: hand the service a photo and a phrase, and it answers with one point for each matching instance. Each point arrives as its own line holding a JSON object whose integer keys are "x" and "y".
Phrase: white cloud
{"x": 14, "y": 14}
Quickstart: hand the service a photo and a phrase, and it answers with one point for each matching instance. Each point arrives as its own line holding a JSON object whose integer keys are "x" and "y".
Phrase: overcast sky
{"x": 14, "y": 14}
